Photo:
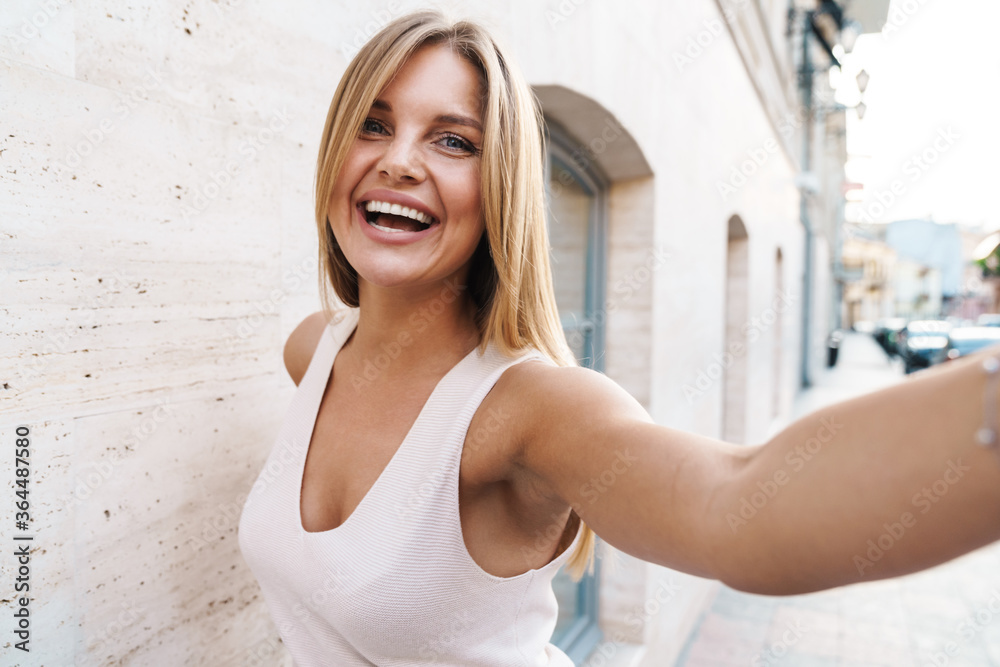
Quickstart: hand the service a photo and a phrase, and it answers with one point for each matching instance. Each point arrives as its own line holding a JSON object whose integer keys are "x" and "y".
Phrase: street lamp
{"x": 862, "y": 79}
{"x": 860, "y": 107}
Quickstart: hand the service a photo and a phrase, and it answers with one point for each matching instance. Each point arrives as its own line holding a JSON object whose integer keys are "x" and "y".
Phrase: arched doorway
{"x": 591, "y": 161}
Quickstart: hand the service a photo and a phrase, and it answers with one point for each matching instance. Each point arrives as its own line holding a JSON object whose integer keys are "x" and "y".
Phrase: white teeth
{"x": 385, "y": 229}
{"x": 396, "y": 209}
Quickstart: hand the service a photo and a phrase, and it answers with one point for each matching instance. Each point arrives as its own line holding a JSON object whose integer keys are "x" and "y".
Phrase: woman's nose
{"x": 401, "y": 161}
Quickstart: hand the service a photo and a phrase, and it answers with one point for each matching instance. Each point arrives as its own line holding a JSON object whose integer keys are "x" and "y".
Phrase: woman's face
{"x": 406, "y": 206}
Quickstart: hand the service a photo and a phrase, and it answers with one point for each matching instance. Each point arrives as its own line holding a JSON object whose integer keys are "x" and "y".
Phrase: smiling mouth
{"x": 395, "y": 218}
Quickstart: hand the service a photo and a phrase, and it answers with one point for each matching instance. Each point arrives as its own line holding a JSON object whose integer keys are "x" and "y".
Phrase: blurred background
{"x": 757, "y": 207}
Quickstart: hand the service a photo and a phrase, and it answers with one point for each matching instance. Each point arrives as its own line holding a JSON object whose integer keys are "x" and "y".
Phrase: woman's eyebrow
{"x": 450, "y": 119}
{"x": 460, "y": 120}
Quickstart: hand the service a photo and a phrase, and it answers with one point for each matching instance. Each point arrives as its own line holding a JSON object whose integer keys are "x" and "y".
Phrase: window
{"x": 577, "y": 202}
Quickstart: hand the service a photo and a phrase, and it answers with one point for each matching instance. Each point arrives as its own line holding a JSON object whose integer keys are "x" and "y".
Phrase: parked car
{"x": 864, "y": 326}
{"x": 886, "y": 332}
{"x": 923, "y": 343}
{"x": 988, "y": 320}
{"x": 966, "y": 340}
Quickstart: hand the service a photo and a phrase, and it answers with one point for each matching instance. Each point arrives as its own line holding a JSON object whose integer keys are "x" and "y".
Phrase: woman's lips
{"x": 388, "y": 235}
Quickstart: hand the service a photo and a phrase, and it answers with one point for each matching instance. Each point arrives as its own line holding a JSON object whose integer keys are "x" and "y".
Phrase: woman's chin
{"x": 415, "y": 281}
{"x": 382, "y": 279}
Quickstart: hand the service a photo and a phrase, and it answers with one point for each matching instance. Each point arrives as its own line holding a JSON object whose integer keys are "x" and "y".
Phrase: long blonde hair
{"x": 510, "y": 279}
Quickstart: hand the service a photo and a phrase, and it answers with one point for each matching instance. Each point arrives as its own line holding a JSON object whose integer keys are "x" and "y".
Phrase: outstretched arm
{"x": 877, "y": 486}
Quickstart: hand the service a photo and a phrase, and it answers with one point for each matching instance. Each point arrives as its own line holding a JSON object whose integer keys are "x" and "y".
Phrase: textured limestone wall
{"x": 157, "y": 247}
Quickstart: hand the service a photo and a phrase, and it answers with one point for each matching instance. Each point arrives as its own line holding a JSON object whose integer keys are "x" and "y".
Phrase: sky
{"x": 929, "y": 143}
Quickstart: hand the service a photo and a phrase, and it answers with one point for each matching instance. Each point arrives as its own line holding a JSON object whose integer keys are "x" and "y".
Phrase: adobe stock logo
{"x": 896, "y": 531}
{"x": 598, "y": 485}
{"x": 914, "y": 167}
{"x": 796, "y": 458}
{"x": 751, "y": 330}
{"x": 701, "y": 41}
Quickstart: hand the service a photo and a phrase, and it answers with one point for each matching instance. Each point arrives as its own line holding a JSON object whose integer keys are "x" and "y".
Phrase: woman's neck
{"x": 417, "y": 329}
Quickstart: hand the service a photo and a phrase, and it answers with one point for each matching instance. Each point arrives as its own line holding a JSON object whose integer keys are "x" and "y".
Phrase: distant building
{"x": 934, "y": 245}
{"x": 914, "y": 269}
{"x": 868, "y": 267}
{"x": 917, "y": 288}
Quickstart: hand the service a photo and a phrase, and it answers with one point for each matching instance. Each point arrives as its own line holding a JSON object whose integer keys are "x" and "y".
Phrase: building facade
{"x": 868, "y": 269}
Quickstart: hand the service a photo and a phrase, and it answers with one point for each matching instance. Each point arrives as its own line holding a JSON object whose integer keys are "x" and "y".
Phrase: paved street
{"x": 910, "y": 621}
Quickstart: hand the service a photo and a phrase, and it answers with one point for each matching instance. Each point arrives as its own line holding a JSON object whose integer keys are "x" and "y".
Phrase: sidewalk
{"x": 949, "y": 615}
{"x": 862, "y": 367}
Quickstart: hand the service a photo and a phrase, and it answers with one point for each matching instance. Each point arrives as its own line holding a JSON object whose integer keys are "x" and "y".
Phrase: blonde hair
{"x": 510, "y": 280}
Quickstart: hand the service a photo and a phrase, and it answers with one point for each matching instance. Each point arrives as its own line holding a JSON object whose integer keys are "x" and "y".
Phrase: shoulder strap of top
{"x": 334, "y": 334}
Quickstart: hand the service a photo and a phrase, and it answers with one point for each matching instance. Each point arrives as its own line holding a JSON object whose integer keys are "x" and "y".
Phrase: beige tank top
{"x": 394, "y": 583}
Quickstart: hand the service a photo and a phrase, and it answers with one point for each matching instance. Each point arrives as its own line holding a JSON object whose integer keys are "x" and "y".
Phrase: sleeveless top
{"x": 394, "y": 584}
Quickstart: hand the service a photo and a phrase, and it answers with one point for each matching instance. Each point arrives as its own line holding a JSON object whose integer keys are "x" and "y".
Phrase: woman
{"x": 444, "y": 455}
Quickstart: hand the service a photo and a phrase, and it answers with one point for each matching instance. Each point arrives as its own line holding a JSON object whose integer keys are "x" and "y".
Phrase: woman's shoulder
{"x": 539, "y": 401}
{"x": 542, "y": 383}
{"x": 302, "y": 343}
{"x": 541, "y": 392}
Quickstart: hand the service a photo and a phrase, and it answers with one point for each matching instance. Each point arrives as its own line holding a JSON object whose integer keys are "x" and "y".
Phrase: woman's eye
{"x": 455, "y": 142}
{"x": 372, "y": 126}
